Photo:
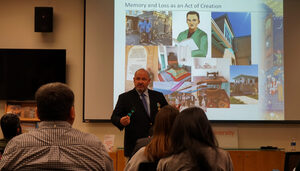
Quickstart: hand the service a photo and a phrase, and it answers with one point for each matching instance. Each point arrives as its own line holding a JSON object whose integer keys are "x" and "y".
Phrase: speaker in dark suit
{"x": 130, "y": 112}
{"x": 43, "y": 19}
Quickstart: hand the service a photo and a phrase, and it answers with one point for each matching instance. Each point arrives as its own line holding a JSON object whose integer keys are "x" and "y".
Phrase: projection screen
{"x": 225, "y": 56}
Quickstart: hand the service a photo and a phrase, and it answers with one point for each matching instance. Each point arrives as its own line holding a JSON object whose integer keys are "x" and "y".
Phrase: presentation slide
{"x": 225, "y": 56}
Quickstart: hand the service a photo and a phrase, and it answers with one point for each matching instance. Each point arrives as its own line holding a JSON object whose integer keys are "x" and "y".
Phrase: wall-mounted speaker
{"x": 43, "y": 19}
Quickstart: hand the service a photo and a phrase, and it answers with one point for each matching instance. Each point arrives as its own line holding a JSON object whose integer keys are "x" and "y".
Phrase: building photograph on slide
{"x": 231, "y": 36}
{"x": 244, "y": 84}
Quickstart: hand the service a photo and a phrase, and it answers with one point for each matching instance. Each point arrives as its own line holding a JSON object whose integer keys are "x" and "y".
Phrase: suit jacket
{"x": 140, "y": 122}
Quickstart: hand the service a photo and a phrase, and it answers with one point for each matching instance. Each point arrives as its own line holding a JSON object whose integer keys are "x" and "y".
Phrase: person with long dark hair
{"x": 160, "y": 143}
{"x": 194, "y": 145}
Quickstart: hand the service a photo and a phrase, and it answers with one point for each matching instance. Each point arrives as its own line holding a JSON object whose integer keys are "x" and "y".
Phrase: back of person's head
{"x": 164, "y": 120}
{"x": 54, "y": 102}
{"x": 192, "y": 123}
{"x": 10, "y": 125}
{"x": 160, "y": 144}
{"x": 192, "y": 131}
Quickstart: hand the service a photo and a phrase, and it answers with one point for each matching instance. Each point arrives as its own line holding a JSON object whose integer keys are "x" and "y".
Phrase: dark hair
{"x": 160, "y": 144}
{"x": 54, "y": 102}
{"x": 10, "y": 125}
{"x": 193, "y": 13}
{"x": 191, "y": 131}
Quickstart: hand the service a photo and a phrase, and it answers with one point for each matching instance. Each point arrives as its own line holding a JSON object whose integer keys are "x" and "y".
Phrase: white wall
{"x": 17, "y": 31}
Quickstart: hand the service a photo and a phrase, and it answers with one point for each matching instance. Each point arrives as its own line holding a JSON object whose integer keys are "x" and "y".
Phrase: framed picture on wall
{"x": 25, "y": 110}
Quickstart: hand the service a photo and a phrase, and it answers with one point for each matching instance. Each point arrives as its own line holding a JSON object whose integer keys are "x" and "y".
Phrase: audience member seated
{"x": 10, "y": 125}
{"x": 194, "y": 146}
{"x": 159, "y": 145}
{"x": 55, "y": 145}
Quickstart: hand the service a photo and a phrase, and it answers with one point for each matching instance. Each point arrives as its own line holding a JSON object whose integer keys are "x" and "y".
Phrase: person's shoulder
{"x": 88, "y": 140}
{"x": 128, "y": 93}
{"x": 86, "y": 136}
{"x": 22, "y": 140}
{"x": 154, "y": 92}
{"x": 160, "y": 98}
{"x": 175, "y": 161}
{"x": 139, "y": 156}
{"x": 223, "y": 153}
{"x": 200, "y": 32}
{"x": 184, "y": 155}
{"x": 26, "y": 135}
{"x": 221, "y": 150}
{"x": 140, "y": 151}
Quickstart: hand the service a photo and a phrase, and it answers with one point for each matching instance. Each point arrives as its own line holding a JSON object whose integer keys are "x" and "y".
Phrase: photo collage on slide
{"x": 210, "y": 68}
